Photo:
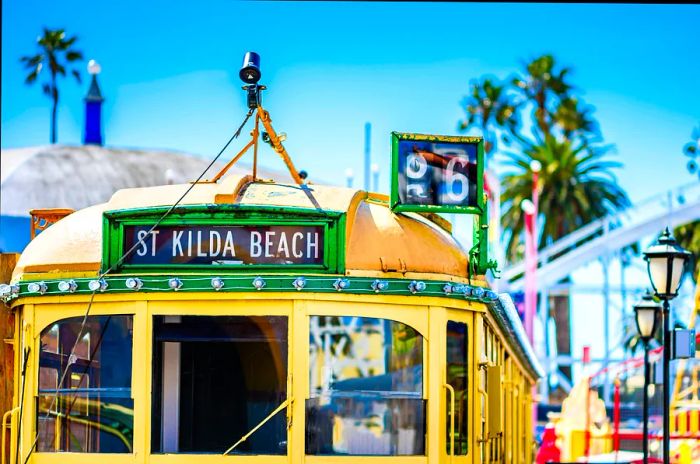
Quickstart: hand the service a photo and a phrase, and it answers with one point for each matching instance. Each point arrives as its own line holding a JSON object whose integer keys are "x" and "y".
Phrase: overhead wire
{"x": 116, "y": 265}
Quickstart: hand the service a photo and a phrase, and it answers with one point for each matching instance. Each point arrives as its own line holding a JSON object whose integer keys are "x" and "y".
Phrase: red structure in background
{"x": 548, "y": 452}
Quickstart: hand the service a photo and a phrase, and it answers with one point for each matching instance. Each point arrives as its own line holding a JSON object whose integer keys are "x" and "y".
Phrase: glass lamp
{"x": 666, "y": 263}
{"x": 646, "y": 313}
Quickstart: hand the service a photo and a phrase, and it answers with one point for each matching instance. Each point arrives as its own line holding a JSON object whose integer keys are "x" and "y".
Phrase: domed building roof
{"x": 69, "y": 176}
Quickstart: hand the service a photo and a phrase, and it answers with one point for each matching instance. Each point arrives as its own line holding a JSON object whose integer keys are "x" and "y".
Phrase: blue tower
{"x": 93, "y": 108}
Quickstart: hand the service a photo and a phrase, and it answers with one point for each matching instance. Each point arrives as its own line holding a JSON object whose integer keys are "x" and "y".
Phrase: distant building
{"x": 70, "y": 176}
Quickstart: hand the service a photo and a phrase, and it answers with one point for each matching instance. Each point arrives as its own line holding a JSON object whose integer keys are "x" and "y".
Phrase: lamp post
{"x": 646, "y": 314}
{"x": 666, "y": 264}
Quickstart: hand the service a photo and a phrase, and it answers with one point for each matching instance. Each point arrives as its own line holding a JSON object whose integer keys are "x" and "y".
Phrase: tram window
{"x": 84, "y": 401}
{"x": 214, "y": 380}
{"x": 366, "y": 388}
{"x": 457, "y": 352}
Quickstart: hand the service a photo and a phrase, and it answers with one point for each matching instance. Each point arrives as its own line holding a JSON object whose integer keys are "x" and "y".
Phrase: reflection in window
{"x": 214, "y": 380}
{"x": 366, "y": 387}
{"x": 457, "y": 378}
{"x": 92, "y": 410}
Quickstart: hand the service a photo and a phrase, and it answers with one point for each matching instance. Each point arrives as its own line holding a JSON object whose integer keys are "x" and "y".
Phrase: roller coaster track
{"x": 609, "y": 234}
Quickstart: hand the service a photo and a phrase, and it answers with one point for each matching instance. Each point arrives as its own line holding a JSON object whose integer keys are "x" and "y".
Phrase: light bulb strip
{"x": 272, "y": 283}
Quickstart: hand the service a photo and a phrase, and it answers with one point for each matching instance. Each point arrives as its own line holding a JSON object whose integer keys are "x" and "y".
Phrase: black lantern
{"x": 646, "y": 313}
{"x": 666, "y": 263}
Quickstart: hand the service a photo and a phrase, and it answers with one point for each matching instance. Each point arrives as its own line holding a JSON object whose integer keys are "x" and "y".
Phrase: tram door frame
{"x": 461, "y": 317}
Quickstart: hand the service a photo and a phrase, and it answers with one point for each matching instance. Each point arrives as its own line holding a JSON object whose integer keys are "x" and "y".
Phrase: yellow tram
{"x": 315, "y": 325}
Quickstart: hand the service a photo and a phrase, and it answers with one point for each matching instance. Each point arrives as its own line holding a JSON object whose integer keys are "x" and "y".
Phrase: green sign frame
{"x": 479, "y": 262}
{"x": 114, "y": 222}
{"x": 397, "y": 137}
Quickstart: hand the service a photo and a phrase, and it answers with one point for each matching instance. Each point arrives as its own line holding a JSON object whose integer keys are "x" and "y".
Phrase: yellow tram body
{"x": 396, "y": 354}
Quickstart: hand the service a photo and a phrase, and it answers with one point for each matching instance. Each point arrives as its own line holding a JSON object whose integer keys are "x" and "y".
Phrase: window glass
{"x": 457, "y": 377}
{"x": 91, "y": 410}
{"x": 366, "y": 387}
{"x": 217, "y": 378}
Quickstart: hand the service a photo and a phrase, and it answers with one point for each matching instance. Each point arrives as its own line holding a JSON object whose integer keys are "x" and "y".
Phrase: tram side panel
{"x": 503, "y": 399}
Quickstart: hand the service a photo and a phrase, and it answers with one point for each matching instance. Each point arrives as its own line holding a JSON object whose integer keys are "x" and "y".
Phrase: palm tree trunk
{"x": 54, "y": 109}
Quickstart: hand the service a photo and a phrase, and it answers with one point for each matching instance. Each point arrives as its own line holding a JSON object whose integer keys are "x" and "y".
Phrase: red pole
{"x": 587, "y": 435}
{"x": 616, "y": 417}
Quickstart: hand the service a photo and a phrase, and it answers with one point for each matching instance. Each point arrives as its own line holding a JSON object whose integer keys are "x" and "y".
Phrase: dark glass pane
{"x": 457, "y": 378}
{"x": 366, "y": 387}
{"x": 215, "y": 379}
{"x": 84, "y": 401}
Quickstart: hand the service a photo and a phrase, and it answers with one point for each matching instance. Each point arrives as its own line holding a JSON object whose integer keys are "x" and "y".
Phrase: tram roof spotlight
{"x": 37, "y": 287}
{"x": 175, "y": 283}
{"x": 299, "y": 283}
{"x": 217, "y": 283}
{"x": 67, "y": 286}
{"x": 99, "y": 284}
{"x": 8, "y": 292}
{"x": 134, "y": 283}
{"x": 250, "y": 70}
{"x": 259, "y": 283}
{"x": 341, "y": 284}
{"x": 380, "y": 285}
{"x": 416, "y": 286}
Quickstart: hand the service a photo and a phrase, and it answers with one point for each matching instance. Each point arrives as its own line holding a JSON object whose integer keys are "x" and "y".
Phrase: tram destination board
{"x": 437, "y": 173}
{"x": 237, "y": 245}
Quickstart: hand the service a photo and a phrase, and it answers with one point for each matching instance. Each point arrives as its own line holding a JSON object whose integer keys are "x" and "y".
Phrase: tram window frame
{"x": 118, "y": 377}
{"x": 186, "y": 334}
{"x": 322, "y": 407}
{"x": 461, "y": 448}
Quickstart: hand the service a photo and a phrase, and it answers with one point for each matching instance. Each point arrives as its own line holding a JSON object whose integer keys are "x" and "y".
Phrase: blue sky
{"x": 170, "y": 74}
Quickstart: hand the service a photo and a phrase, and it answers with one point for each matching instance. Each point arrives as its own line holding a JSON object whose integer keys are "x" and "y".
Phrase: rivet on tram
{"x": 341, "y": 284}
{"x": 175, "y": 284}
{"x": 217, "y": 283}
{"x": 259, "y": 283}
{"x": 478, "y": 292}
{"x": 99, "y": 284}
{"x": 67, "y": 286}
{"x": 299, "y": 283}
{"x": 134, "y": 283}
{"x": 380, "y": 285}
{"x": 416, "y": 286}
{"x": 37, "y": 287}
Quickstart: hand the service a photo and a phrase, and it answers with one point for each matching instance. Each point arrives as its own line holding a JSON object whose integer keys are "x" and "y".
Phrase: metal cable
{"x": 116, "y": 264}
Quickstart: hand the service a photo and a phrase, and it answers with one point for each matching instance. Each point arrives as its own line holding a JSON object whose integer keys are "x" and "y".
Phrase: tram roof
{"x": 377, "y": 240}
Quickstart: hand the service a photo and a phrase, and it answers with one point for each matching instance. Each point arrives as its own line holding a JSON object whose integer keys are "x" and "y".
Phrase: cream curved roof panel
{"x": 377, "y": 240}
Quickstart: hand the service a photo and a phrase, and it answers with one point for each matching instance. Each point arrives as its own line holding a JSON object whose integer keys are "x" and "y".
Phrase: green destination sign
{"x": 212, "y": 238}
{"x": 221, "y": 245}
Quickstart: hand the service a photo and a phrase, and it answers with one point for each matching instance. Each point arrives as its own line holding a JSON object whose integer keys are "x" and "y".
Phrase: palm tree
{"x": 543, "y": 86}
{"x": 576, "y": 186}
{"x": 488, "y": 107}
{"x": 56, "y": 52}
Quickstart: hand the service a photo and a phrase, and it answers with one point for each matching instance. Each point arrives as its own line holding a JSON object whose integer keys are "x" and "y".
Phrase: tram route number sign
{"x": 224, "y": 245}
{"x": 437, "y": 173}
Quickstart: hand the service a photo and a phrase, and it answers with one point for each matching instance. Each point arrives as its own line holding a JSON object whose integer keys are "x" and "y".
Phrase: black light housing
{"x": 250, "y": 70}
{"x": 646, "y": 315}
{"x": 666, "y": 264}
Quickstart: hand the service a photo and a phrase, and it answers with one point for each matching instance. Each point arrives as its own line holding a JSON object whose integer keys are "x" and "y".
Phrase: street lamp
{"x": 666, "y": 263}
{"x": 646, "y": 313}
